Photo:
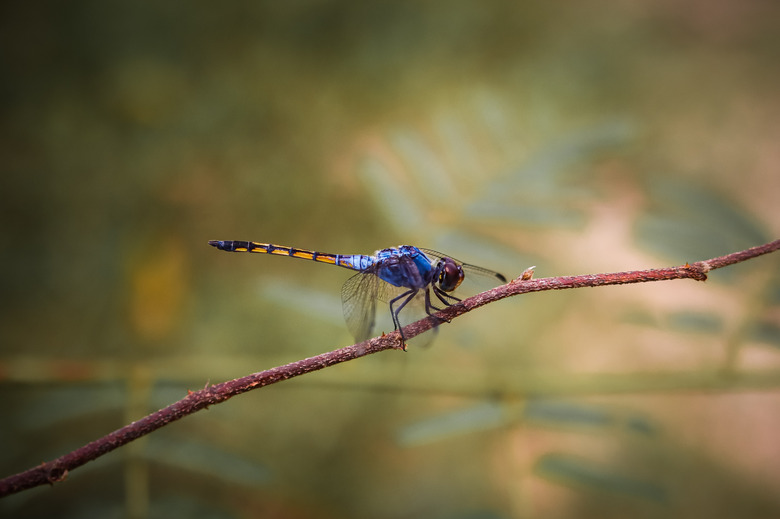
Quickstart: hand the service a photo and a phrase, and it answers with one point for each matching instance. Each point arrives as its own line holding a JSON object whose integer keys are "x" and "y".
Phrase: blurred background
{"x": 596, "y": 137}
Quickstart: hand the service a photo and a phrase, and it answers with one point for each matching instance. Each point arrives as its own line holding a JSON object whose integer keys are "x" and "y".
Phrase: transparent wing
{"x": 358, "y": 298}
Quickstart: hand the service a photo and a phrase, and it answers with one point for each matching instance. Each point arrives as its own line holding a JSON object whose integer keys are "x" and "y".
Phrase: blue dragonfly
{"x": 398, "y": 275}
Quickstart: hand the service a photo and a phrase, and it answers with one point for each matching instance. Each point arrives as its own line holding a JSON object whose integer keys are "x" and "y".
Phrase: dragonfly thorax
{"x": 448, "y": 274}
{"x": 404, "y": 266}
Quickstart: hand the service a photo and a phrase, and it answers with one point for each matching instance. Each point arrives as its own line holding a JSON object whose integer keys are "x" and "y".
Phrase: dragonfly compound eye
{"x": 450, "y": 275}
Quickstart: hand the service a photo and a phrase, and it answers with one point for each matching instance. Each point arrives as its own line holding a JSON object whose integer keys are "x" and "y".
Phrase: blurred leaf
{"x": 639, "y": 317}
{"x": 569, "y": 470}
{"x": 536, "y": 193}
{"x": 540, "y": 191}
{"x": 424, "y": 166}
{"x": 526, "y": 212}
{"x": 481, "y": 417}
{"x": 565, "y": 413}
{"x": 689, "y": 222}
{"x": 546, "y": 172}
{"x": 205, "y": 458}
{"x": 303, "y": 299}
{"x": 641, "y": 425}
{"x": 399, "y": 207}
{"x": 702, "y": 322}
{"x": 767, "y": 332}
{"x": 71, "y": 403}
{"x": 570, "y": 414}
{"x": 491, "y": 415}
{"x": 766, "y": 325}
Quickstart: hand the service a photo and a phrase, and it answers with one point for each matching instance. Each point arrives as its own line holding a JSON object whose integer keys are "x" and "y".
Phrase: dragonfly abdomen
{"x": 350, "y": 261}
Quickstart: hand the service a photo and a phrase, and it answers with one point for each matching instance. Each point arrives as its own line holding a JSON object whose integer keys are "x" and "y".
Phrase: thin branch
{"x": 58, "y": 469}
{"x": 697, "y": 271}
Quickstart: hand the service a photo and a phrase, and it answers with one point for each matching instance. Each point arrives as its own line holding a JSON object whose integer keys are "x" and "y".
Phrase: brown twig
{"x": 58, "y": 469}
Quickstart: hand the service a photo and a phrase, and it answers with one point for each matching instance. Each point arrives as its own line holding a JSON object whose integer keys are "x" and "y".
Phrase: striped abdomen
{"x": 350, "y": 261}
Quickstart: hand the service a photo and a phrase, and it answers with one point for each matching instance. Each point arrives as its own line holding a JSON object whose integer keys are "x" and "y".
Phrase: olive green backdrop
{"x": 583, "y": 138}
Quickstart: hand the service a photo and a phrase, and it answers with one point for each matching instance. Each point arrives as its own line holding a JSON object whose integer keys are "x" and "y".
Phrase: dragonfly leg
{"x": 444, "y": 297}
{"x": 429, "y": 306}
{"x": 441, "y": 296}
{"x": 406, "y": 296}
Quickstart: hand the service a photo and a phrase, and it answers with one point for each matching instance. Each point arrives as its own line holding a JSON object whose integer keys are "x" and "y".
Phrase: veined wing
{"x": 358, "y": 298}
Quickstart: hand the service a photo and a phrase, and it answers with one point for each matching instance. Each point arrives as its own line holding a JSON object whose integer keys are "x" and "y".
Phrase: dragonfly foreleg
{"x": 429, "y": 306}
{"x": 444, "y": 297}
{"x": 441, "y": 296}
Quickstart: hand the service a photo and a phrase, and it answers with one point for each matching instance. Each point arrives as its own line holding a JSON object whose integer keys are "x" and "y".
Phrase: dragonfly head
{"x": 449, "y": 274}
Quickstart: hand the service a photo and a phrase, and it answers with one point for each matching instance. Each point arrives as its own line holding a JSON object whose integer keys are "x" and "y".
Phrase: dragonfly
{"x": 397, "y": 275}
